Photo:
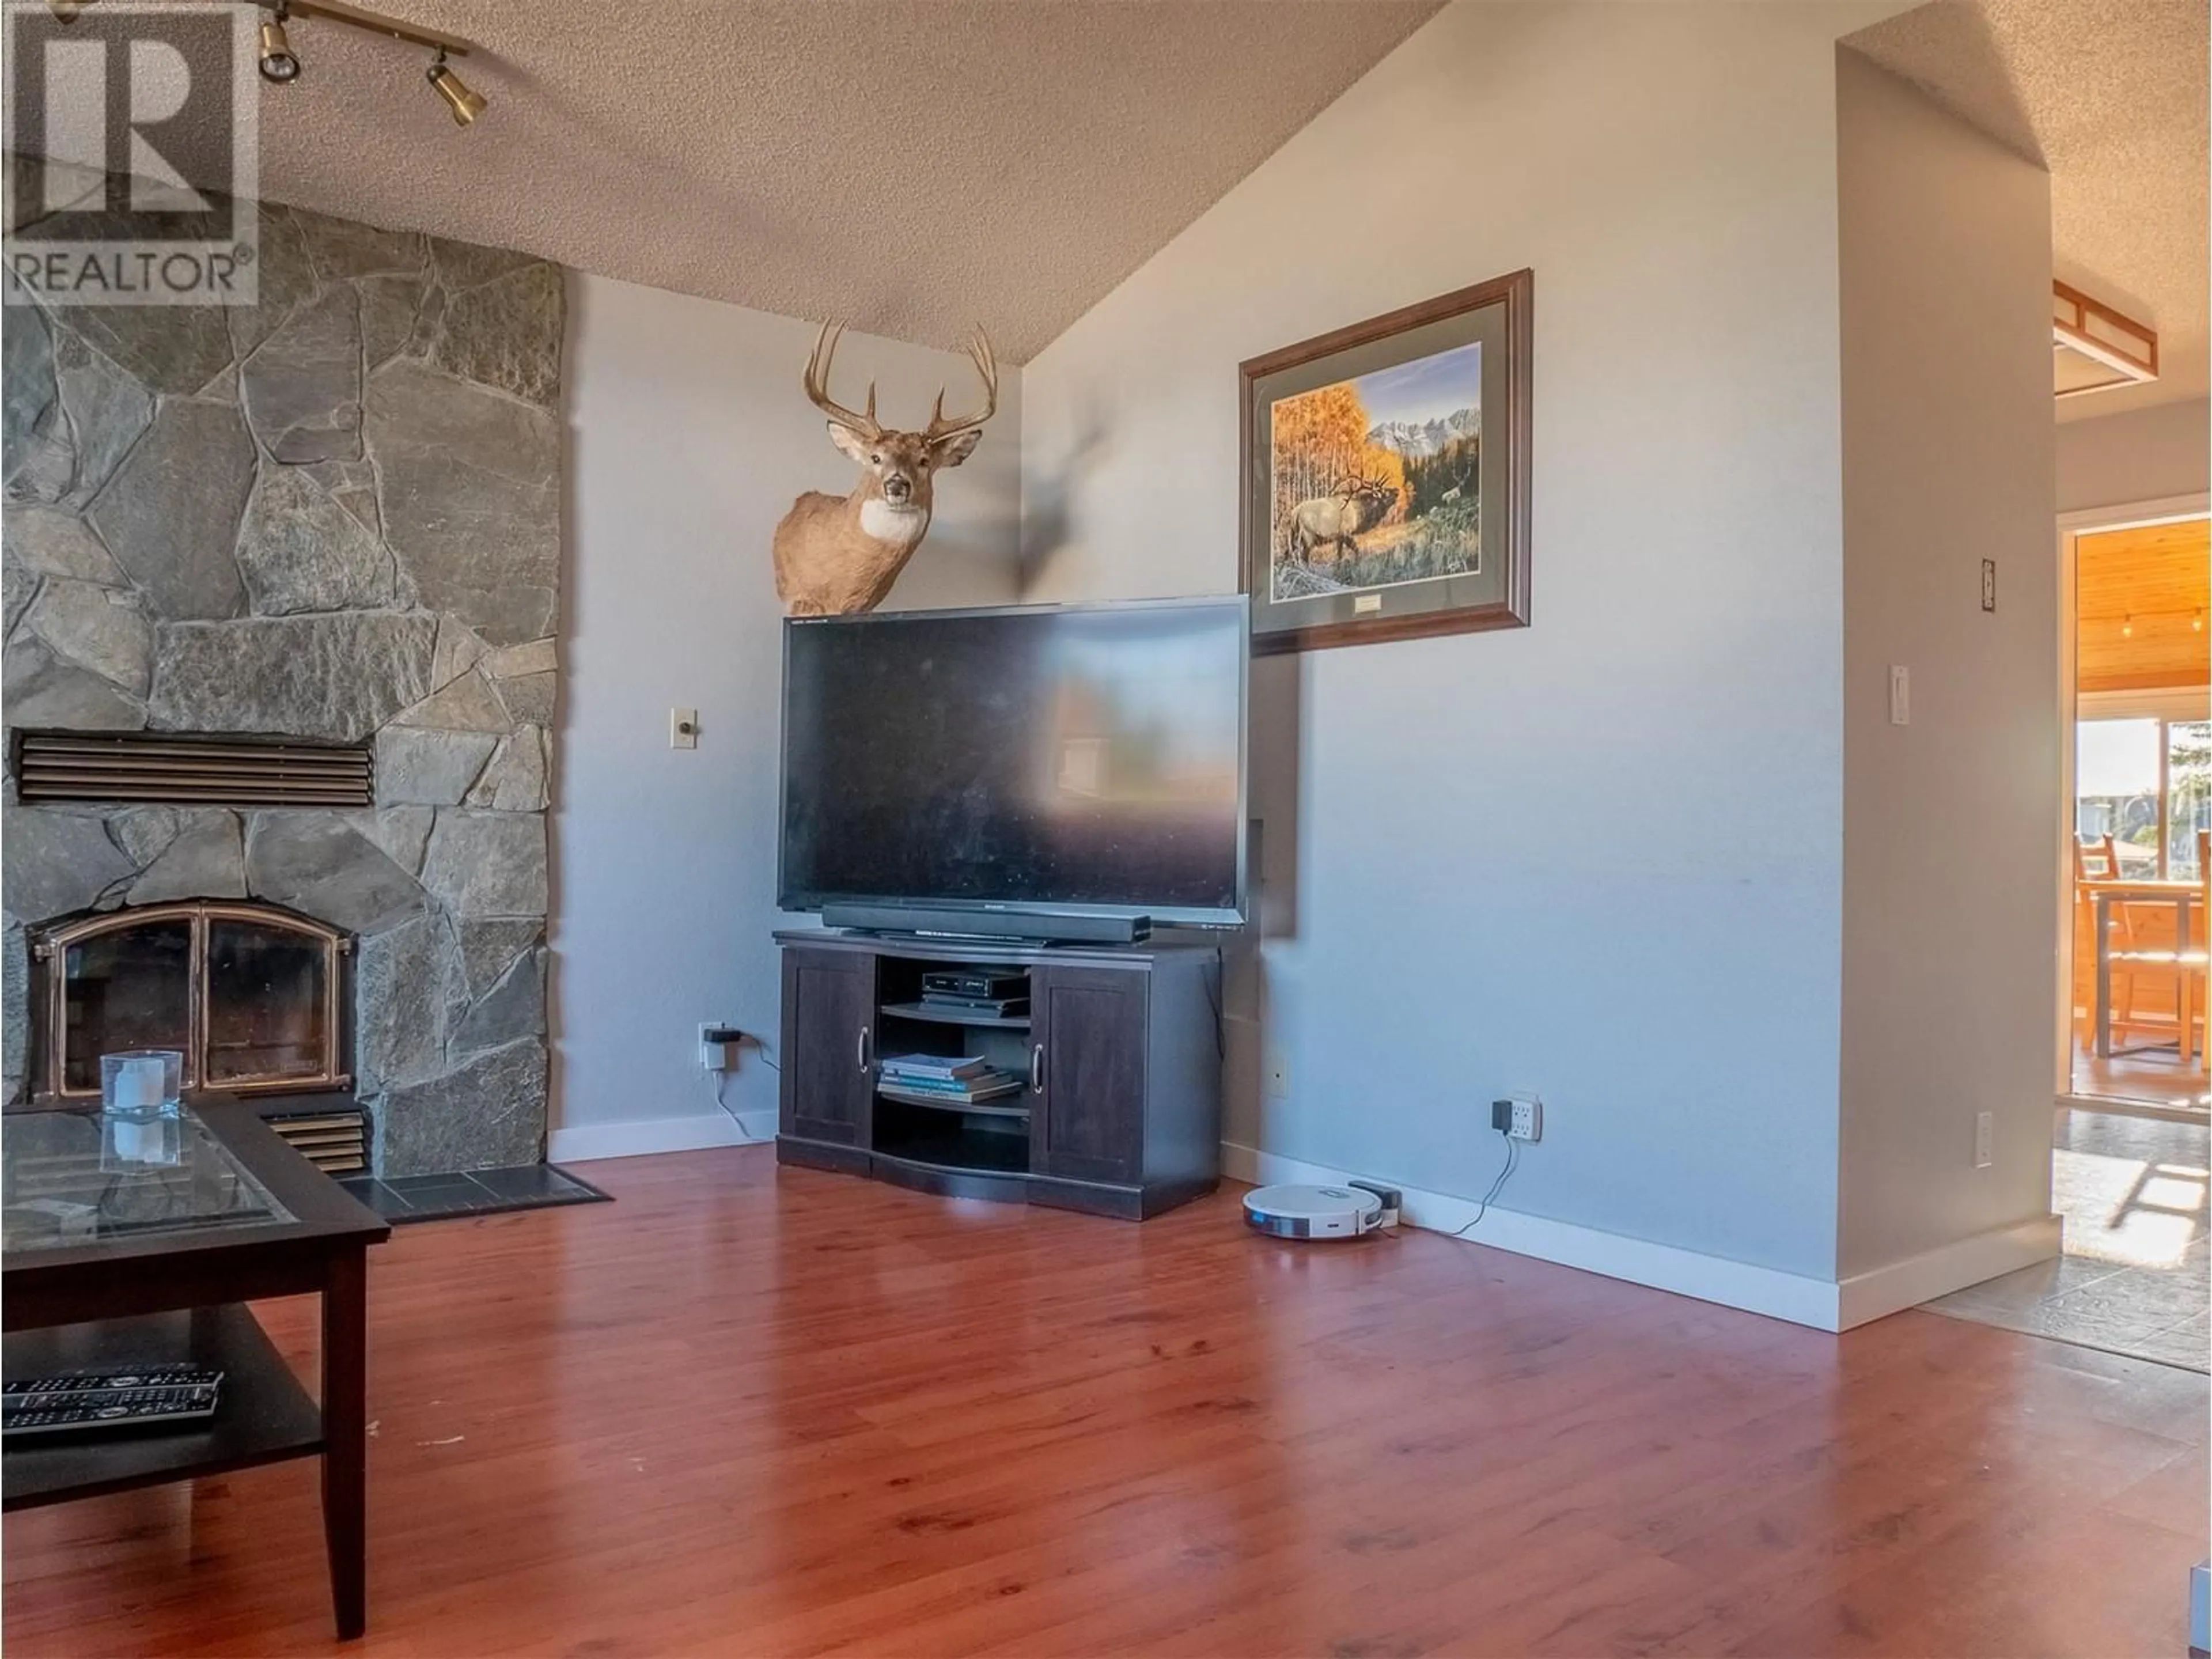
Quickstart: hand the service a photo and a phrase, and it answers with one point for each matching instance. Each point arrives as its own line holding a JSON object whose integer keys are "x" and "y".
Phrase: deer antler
{"x": 817, "y": 386}
{"x": 987, "y": 365}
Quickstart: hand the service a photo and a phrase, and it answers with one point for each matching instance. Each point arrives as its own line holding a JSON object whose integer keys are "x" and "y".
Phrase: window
{"x": 2189, "y": 792}
{"x": 2146, "y": 782}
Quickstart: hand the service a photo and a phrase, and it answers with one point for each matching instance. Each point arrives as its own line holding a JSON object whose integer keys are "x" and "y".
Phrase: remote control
{"x": 149, "y": 1376}
{"x": 153, "y": 1396}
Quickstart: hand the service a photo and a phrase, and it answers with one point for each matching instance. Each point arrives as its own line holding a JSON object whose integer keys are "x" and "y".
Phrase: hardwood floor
{"x": 746, "y": 1410}
{"x": 2142, "y": 1072}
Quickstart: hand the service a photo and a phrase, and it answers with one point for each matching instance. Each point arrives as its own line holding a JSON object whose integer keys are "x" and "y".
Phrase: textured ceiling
{"x": 2111, "y": 96}
{"x": 912, "y": 166}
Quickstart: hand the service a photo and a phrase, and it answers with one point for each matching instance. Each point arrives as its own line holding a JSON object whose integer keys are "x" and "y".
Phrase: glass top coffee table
{"x": 124, "y": 1245}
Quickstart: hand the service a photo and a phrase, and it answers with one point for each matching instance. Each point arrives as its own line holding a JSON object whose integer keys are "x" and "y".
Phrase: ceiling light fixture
{"x": 2095, "y": 348}
{"x": 466, "y": 105}
{"x": 279, "y": 63}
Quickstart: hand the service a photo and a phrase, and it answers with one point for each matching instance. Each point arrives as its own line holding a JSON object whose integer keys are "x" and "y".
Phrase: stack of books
{"x": 957, "y": 1080}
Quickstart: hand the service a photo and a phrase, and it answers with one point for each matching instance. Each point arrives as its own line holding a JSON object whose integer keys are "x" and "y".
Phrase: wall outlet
{"x": 718, "y": 1047}
{"x": 1985, "y": 1136}
{"x": 1518, "y": 1117}
{"x": 1277, "y": 1066}
{"x": 682, "y": 728}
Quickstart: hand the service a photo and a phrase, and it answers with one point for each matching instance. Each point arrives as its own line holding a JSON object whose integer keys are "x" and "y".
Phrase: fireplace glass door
{"x": 251, "y": 996}
{"x": 131, "y": 988}
{"x": 268, "y": 1014}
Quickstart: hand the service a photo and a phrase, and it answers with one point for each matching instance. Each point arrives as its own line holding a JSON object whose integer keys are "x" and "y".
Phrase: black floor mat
{"x": 476, "y": 1192}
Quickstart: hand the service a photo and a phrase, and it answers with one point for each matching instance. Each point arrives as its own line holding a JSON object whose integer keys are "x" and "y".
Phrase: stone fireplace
{"x": 334, "y": 516}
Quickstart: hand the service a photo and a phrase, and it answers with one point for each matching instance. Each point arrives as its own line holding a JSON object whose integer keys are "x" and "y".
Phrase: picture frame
{"x": 1385, "y": 474}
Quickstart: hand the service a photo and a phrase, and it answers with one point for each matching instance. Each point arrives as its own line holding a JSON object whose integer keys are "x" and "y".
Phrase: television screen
{"x": 1051, "y": 758}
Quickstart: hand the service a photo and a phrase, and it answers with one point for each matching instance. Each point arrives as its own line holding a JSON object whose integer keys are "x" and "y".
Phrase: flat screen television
{"x": 1049, "y": 759}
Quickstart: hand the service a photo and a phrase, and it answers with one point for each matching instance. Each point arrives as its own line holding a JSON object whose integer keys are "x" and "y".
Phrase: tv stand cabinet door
{"x": 829, "y": 1044}
{"x": 1087, "y": 1120}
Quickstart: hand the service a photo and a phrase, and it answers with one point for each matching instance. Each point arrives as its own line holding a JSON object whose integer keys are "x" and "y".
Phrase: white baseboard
{"x": 1798, "y": 1298}
{"x": 1919, "y": 1279}
{"x": 1795, "y": 1297}
{"x": 580, "y": 1143}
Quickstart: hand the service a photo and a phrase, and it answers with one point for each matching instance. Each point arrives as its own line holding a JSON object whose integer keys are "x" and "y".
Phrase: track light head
{"x": 67, "y": 11}
{"x": 279, "y": 63}
{"x": 466, "y": 105}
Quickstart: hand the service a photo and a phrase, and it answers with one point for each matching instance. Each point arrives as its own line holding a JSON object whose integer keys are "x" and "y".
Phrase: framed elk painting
{"x": 1386, "y": 475}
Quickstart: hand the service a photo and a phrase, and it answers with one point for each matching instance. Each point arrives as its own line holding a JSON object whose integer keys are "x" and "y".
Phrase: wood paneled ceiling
{"x": 2141, "y": 599}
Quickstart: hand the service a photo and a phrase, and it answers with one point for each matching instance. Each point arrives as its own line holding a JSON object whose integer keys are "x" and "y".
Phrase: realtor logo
{"x": 134, "y": 145}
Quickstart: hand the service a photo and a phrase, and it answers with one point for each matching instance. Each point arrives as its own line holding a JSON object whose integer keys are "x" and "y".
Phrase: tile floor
{"x": 478, "y": 1192}
{"x": 2136, "y": 1277}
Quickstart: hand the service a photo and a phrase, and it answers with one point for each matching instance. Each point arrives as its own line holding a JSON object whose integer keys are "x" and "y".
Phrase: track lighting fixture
{"x": 279, "y": 63}
{"x": 466, "y": 105}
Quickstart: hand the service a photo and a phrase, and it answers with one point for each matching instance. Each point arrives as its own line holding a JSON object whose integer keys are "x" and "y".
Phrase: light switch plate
{"x": 1900, "y": 695}
{"x": 682, "y": 728}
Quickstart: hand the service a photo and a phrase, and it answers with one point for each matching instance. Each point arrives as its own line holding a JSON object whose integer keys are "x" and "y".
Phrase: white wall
{"x": 1950, "y": 822}
{"x": 2144, "y": 455}
{"x": 1599, "y": 858}
{"x": 688, "y": 438}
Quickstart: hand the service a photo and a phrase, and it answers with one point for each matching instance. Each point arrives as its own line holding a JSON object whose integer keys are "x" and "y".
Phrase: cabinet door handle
{"x": 860, "y": 1050}
{"x": 1037, "y": 1069}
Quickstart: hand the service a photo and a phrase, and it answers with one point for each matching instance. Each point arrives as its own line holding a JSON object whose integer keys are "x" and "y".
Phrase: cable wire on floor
{"x": 1512, "y": 1163}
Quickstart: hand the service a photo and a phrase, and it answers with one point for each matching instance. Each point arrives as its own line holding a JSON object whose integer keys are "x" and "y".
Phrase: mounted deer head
{"x": 839, "y": 554}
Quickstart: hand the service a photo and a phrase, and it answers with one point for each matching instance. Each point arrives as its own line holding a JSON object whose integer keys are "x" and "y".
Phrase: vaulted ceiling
{"x": 912, "y": 166}
{"x": 2111, "y": 95}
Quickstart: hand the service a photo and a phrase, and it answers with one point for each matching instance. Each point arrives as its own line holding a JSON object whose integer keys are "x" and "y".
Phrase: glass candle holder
{"x": 142, "y": 1082}
{"x": 129, "y": 1143}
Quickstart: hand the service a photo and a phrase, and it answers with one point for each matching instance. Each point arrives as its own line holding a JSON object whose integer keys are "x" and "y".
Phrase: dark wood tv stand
{"x": 1122, "y": 1048}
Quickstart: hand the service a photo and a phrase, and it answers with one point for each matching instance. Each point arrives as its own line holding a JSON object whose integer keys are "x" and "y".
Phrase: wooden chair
{"x": 2196, "y": 970}
{"x": 2098, "y": 858}
{"x": 2101, "y": 853}
{"x": 2145, "y": 951}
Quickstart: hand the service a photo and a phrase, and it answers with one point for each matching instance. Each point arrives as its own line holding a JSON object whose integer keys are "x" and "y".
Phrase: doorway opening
{"x": 2137, "y": 687}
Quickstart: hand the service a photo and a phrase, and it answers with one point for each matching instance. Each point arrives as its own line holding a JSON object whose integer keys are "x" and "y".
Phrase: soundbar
{"x": 948, "y": 921}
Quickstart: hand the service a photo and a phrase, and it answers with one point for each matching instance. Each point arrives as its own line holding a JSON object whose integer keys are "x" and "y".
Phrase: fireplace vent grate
{"x": 180, "y": 770}
{"x": 335, "y": 1142}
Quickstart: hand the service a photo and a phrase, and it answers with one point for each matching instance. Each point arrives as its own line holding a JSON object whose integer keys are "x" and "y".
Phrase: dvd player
{"x": 974, "y": 983}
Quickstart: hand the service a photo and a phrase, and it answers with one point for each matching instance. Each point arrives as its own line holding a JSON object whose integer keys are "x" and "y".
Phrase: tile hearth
{"x": 478, "y": 1192}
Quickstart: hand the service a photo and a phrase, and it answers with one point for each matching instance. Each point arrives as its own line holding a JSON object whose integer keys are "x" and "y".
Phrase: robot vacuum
{"x": 1314, "y": 1212}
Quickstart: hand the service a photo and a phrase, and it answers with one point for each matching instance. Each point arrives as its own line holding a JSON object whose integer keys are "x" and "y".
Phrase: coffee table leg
{"x": 345, "y": 1438}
